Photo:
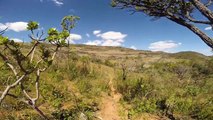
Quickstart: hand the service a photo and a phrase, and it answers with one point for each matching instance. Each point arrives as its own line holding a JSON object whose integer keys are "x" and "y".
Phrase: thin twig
{"x": 6, "y": 91}
{"x": 28, "y": 102}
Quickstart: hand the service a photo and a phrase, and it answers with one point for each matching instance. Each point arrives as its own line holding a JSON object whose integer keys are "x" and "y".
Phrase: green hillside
{"x": 106, "y": 83}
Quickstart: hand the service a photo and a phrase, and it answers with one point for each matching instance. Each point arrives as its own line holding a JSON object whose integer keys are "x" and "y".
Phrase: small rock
{"x": 83, "y": 117}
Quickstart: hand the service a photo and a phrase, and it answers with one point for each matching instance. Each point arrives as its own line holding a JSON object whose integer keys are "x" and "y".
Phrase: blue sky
{"x": 100, "y": 24}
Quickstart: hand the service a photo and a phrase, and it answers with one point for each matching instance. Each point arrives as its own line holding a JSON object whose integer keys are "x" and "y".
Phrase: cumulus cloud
{"x": 133, "y": 47}
{"x": 111, "y": 43}
{"x": 15, "y": 26}
{"x": 163, "y": 45}
{"x": 208, "y": 28}
{"x": 98, "y": 35}
{"x": 94, "y": 42}
{"x": 2, "y": 26}
{"x": 58, "y": 2}
{"x": 73, "y": 37}
{"x": 110, "y": 38}
{"x": 16, "y": 40}
{"x": 96, "y": 32}
{"x": 113, "y": 35}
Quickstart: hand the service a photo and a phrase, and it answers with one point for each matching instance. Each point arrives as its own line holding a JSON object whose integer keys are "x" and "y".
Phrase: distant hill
{"x": 110, "y": 51}
{"x": 189, "y": 55}
{"x": 116, "y": 83}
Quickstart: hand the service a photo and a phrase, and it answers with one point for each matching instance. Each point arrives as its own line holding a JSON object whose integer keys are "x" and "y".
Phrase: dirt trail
{"x": 109, "y": 106}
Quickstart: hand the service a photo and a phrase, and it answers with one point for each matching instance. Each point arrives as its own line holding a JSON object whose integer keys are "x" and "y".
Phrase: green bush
{"x": 74, "y": 113}
{"x": 145, "y": 106}
{"x": 65, "y": 114}
{"x": 134, "y": 88}
{"x": 203, "y": 112}
{"x": 192, "y": 90}
{"x": 109, "y": 63}
{"x": 72, "y": 71}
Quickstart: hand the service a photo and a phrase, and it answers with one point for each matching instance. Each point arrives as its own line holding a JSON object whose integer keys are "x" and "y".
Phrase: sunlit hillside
{"x": 115, "y": 83}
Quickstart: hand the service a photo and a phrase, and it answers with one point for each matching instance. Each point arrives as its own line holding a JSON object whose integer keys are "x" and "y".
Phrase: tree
{"x": 182, "y": 12}
{"x": 25, "y": 65}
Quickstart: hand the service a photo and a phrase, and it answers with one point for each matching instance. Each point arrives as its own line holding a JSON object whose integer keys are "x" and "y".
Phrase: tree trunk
{"x": 194, "y": 29}
{"x": 201, "y": 34}
{"x": 40, "y": 113}
{"x": 203, "y": 9}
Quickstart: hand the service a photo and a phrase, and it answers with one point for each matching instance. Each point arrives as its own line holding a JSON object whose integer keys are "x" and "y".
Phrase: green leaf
{"x": 64, "y": 35}
{"x": 32, "y": 25}
{"x": 68, "y": 22}
{"x": 3, "y": 40}
{"x": 52, "y": 38}
{"x": 63, "y": 43}
{"x": 113, "y": 3}
{"x": 52, "y": 31}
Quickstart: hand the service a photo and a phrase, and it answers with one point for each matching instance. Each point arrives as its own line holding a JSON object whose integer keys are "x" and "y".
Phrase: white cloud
{"x": 96, "y": 32}
{"x": 73, "y": 37}
{"x": 206, "y": 51}
{"x": 98, "y": 35}
{"x": 95, "y": 42}
{"x": 113, "y": 35}
{"x": 110, "y": 38}
{"x": 15, "y": 26}
{"x": 16, "y": 40}
{"x": 163, "y": 45}
{"x": 208, "y": 28}
{"x": 58, "y": 2}
{"x": 133, "y": 47}
{"x": 87, "y": 34}
{"x": 111, "y": 43}
{"x": 2, "y": 26}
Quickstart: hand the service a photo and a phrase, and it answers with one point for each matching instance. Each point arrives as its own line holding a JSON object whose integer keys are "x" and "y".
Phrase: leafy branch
{"x": 25, "y": 64}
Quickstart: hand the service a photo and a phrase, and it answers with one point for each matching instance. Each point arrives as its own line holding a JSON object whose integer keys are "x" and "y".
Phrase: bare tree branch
{"x": 2, "y": 32}
{"x": 208, "y": 3}
{"x": 18, "y": 57}
{"x": 173, "y": 9}
{"x": 12, "y": 68}
{"x": 37, "y": 84}
{"x": 25, "y": 93}
{"x": 28, "y": 102}
{"x": 6, "y": 91}
{"x": 54, "y": 54}
{"x": 32, "y": 49}
{"x": 196, "y": 21}
{"x": 203, "y": 9}
{"x": 8, "y": 64}
{"x": 193, "y": 28}
{"x": 24, "y": 62}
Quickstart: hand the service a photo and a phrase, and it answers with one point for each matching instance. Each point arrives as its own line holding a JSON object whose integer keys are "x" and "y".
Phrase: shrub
{"x": 84, "y": 68}
{"x": 146, "y": 105}
{"x": 65, "y": 114}
{"x": 203, "y": 112}
{"x": 109, "y": 63}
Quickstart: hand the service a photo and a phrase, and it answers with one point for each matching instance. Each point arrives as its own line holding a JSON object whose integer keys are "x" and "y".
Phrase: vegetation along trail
{"x": 109, "y": 109}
